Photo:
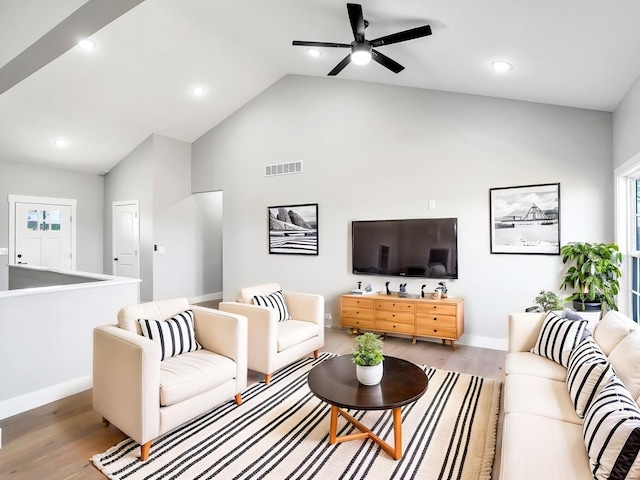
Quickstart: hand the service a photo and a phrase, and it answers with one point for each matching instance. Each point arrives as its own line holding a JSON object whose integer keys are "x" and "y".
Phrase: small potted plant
{"x": 548, "y": 301}
{"x": 593, "y": 275}
{"x": 368, "y": 358}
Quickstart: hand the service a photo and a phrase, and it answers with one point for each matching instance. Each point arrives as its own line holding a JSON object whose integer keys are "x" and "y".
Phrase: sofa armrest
{"x": 226, "y": 334}
{"x": 126, "y": 379}
{"x": 306, "y": 306}
{"x": 524, "y": 329}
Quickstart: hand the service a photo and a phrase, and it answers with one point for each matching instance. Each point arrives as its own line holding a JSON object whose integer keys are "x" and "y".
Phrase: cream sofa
{"x": 272, "y": 343}
{"x": 542, "y": 435}
{"x": 146, "y": 397}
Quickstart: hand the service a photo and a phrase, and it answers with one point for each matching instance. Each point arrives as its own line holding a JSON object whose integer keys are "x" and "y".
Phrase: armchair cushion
{"x": 294, "y": 332}
{"x": 174, "y": 335}
{"x": 275, "y": 302}
{"x": 190, "y": 374}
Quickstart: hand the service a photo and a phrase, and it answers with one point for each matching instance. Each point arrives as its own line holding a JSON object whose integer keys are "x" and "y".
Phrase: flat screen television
{"x": 423, "y": 248}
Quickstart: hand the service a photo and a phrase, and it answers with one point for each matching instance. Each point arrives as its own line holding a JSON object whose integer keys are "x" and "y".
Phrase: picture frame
{"x": 293, "y": 229}
{"x": 525, "y": 219}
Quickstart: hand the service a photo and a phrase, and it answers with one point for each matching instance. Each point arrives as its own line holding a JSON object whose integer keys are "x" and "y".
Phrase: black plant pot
{"x": 587, "y": 306}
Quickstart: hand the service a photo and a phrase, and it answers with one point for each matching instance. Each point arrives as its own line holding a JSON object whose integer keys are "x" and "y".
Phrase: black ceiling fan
{"x": 363, "y": 50}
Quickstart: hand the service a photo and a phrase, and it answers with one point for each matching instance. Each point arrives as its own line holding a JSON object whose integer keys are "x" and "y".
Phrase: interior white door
{"x": 43, "y": 235}
{"x": 126, "y": 239}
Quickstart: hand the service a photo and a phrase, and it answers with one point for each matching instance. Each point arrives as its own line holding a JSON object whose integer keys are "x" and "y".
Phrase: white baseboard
{"x": 484, "y": 342}
{"x": 22, "y": 403}
{"x": 206, "y": 298}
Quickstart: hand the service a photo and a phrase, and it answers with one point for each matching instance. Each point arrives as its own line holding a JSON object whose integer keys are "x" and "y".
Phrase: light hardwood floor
{"x": 55, "y": 441}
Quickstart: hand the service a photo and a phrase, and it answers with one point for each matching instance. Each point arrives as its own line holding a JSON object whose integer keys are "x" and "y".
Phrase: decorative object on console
{"x": 368, "y": 358}
{"x": 293, "y": 229}
{"x": 443, "y": 289}
{"x": 422, "y": 291}
{"x": 386, "y": 285}
{"x": 594, "y": 274}
{"x": 548, "y": 301}
{"x": 526, "y": 219}
{"x": 402, "y": 290}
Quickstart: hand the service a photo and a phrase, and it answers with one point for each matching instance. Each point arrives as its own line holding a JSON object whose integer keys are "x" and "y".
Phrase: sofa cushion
{"x": 539, "y": 448}
{"x": 612, "y": 434}
{"x": 190, "y": 374}
{"x": 625, "y": 359}
{"x": 527, "y": 363}
{"x": 538, "y": 396}
{"x": 175, "y": 335}
{"x": 245, "y": 295}
{"x": 588, "y": 373}
{"x": 274, "y": 301}
{"x": 613, "y": 327}
{"x": 294, "y": 332}
{"x": 558, "y": 337}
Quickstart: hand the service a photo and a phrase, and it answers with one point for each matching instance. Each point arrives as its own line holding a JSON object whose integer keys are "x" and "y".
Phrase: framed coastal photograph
{"x": 293, "y": 229}
{"x": 526, "y": 219}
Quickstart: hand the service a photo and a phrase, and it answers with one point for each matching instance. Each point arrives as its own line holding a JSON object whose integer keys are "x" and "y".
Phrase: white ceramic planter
{"x": 369, "y": 375}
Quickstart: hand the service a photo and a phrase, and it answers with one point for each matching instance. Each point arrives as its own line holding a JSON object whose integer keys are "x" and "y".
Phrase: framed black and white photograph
{"x": 293, "y": 229}
{"x": 525, "y": 219}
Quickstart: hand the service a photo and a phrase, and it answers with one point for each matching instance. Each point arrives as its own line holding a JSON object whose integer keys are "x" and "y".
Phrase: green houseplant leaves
{"x": 368, "y": 351}
{"x": 593, "y": 272}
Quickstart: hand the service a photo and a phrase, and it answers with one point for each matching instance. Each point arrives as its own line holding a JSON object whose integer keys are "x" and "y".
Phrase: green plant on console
{"x": 594, "y": 272}
{"x": 368, "y": 351}
{"x": 548, "y": 301}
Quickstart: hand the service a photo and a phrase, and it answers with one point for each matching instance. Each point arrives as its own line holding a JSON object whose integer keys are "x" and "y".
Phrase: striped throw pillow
{"x": 588, "y": 373}
{"x": 175, "y": 335}
{"x": 558, "y": 337}
{"x": 275, "y": 302}
{"x": 611, "y": 432}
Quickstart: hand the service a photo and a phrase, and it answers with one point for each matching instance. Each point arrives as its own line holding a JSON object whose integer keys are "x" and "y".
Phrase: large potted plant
{"x": 593, "y": 274}
{"x": 368, "y": 358}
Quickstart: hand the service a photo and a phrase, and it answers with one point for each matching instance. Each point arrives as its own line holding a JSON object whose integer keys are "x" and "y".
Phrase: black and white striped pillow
{"x": 175, "y": 335}
{"x": 588, "y": 373}
{"x": 611, "y": 432}
{"x": 276, "y": 302}
{"x": 558, "y": 337}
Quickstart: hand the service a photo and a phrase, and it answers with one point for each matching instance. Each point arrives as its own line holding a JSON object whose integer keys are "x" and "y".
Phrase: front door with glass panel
{"x": 43, "y": 235}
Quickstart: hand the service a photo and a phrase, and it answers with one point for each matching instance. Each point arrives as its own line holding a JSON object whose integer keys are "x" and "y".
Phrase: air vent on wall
{"x": 282, "y": 169}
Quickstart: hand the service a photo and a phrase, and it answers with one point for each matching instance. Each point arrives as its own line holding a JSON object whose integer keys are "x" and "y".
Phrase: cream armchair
{"x": 272, "y": 343}
{"x": 146, "y": 397}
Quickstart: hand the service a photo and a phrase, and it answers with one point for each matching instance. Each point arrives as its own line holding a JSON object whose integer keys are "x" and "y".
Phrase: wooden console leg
{"x": 238, "y": 398}
{"x": 453, "y": 345}
{"x": 105, "y": 422}
{"x": 267, "y": 379}
{"x": 144, "y": 451}
{"x": 315, "y": 354}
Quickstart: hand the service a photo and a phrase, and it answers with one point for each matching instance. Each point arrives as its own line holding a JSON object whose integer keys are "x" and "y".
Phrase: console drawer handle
{"x": 435, "y": 331}
{"x": 435, "y": 318}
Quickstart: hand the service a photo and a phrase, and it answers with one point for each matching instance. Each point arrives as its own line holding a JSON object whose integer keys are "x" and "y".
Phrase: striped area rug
{"x": 281, "y": 432}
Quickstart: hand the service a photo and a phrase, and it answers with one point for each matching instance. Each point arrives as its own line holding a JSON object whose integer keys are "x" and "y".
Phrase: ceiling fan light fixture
{"x": 361, "y": 53}
{"x": 501, "y": 66}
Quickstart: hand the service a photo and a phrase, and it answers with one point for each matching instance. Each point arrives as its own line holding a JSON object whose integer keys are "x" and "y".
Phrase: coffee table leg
{"x": 397, "y": 433}
{"x": 333, "y": 425}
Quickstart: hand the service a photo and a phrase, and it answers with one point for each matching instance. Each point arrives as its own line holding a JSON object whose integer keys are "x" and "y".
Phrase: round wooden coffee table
{"x": 335, "y": 382}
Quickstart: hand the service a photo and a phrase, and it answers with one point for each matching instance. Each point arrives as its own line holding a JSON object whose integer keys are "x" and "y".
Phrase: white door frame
{"x": 13, "y": 199}
{"x": 113, "y": 233}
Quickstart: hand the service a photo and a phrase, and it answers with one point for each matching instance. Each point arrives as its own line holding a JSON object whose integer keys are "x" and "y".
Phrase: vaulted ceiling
{"x": 149, "y": 55}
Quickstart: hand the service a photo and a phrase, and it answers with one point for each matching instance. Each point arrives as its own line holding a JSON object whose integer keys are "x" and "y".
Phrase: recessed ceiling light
{"x": 314, "y": 52}
{"x": 60, "y": 142}
{"x": 86, "y": 44}
{"x": 501, "y": 66}
{"x": 198, "y": 91}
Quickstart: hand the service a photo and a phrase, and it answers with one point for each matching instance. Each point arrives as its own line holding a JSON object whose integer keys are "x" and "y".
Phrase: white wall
{"x": 132, "y": 179}
{"x": 376, "y": 151}
{"x": 177, "y": 223}
{"x": 210, "y": 205}
{"x": 24, "y": 179}
{"x": 626, "y": 125}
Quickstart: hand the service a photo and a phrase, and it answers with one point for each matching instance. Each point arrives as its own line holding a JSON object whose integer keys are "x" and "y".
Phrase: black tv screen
{"x": 424, "y": 248}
